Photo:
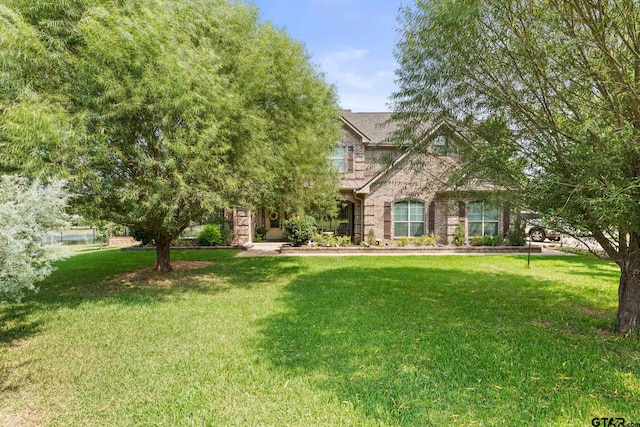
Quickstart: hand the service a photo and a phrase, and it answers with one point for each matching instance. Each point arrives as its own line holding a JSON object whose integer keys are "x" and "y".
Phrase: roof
{"x": 373, "y": 126}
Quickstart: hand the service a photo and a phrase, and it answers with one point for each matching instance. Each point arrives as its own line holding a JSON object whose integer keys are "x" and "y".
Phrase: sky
{"x": 351, "y": 41}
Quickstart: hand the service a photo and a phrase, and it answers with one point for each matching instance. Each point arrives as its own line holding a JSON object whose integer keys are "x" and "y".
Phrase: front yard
{"x": 318, "y": 341}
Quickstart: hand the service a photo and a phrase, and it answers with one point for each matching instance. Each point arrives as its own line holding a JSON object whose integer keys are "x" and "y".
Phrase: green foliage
{"x": 424, "y": 240}
{"x": 459, "y": 238}
{"x": 145, "y": 238}
{"x": 517, "y": 235}
{"x": 546, "y": 97}
{"x": 352, "y": 315}
{"x": 371, "y": 237}
{"x": 299, "y": 230}
{"x": 104, "y": 229}
{"x": 487, "y": 240}
{"x": 226, "y": 234}
{"x": 30, "y": 214}
{"x": 162, "y": 112}
{"x": 402, "y": 241}
{"x": 260, "y": 234}
{"x": 210, "y": 236}
{"x": 331, "y": 240}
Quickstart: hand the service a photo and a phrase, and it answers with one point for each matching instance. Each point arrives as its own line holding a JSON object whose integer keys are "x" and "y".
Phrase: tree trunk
{"x": 629, "y": 296}
{"x": 163, "y": 254}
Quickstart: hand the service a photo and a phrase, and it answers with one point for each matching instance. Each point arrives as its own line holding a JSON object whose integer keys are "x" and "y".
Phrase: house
{"x": 383, "y": 191}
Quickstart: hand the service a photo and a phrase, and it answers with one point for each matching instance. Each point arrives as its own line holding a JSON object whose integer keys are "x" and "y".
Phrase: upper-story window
{"x": 339, "y": 158}
{"x": 440, "y": 144}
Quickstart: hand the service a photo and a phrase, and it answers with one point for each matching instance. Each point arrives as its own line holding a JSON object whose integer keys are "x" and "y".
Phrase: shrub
{"x": 486, "y": 240}
{"x": 344, "y": 241}
{"x": 403, "y": 241}
{"x": 322, "y": 239}
{"x": 424, "y": 240}
{"x": 260, "y": 234}
{"x": 226, "y": 235}
{"x": 210, "y": 236}
{"x": 427, "y": 240}
{"x": 299, "y": 230}
{"x": 371, "y": 237}
{"x": 30, "y": 214}
{"x": 329, "y": 240}
{"x": 185, "y": 241}
{"x": 458, "y": 236}
{"x": 145, "y": 238}
{"x": 517, "y": 236}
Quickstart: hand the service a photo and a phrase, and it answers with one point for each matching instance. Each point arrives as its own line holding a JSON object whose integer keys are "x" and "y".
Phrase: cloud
{"x": 364, "y": 81}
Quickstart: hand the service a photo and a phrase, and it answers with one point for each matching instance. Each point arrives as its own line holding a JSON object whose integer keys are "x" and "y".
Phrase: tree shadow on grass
{"x": 423, "y": 346}
{"x": 93, "y": 277}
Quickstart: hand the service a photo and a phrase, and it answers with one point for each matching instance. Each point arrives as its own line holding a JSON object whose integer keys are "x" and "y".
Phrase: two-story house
{"x": 384, "y": 190}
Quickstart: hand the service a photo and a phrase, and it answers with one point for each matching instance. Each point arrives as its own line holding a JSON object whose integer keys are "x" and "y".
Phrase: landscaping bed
{"x": 178, "y": 248}
{"x": 411, "y": 249}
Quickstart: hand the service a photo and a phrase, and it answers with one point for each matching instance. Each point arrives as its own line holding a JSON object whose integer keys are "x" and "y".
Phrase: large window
{"x": 339, "y": 157}
{"x": 483, "y": 219}
{"x": 408, "y": 219}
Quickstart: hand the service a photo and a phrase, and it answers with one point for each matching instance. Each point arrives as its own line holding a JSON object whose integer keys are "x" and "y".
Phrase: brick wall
{"x": 120, "y": 241}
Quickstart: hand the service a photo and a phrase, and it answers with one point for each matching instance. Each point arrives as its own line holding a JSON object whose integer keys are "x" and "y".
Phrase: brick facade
{"x": 377, "y": 175}
{"x": 383, "y": 176}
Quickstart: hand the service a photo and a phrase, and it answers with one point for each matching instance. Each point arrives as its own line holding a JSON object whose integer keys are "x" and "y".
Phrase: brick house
{"x": 383, "y": 191}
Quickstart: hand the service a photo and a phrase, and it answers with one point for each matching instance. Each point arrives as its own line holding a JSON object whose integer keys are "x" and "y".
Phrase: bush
{"x": 30, "y": 214}
{"x": 486, "y": 240}
{"x": 185, "y": 241}
{"x": 299, "y": 230}
{"x": 458, "y": 236}
{"x": 344, "y": 241}
{"x": 424, "y": 240}
{"x": 145, "y": 238}
{"x": 371, "y": 237}
{"x": 226, "y": 235}
{"x": 402, "y": 241}
{"x": 260, "y": 234}
{"x": 427, "y": 240}
{"x": 329, "y": 240}
{"x": 517, "y": 236}
{"x": 210, "y": 236}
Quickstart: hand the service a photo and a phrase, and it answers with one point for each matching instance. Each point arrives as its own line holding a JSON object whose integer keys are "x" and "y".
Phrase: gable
{"x": 404, "y": 160}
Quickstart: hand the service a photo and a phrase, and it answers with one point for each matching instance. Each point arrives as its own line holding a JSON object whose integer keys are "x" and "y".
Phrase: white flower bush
{"x": 30, "y": 214}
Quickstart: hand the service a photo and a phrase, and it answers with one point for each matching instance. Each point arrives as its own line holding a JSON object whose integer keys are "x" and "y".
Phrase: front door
{"x": 274, "y": 226}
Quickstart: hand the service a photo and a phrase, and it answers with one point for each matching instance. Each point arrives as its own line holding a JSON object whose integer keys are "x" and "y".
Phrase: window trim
{"x": 483, "y": 220}
{"x": 339, "y": 160}
{"x": 408, "y": 220}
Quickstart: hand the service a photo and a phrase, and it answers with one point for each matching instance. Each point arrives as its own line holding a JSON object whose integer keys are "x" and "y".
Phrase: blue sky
{"x": 351, "y": 41}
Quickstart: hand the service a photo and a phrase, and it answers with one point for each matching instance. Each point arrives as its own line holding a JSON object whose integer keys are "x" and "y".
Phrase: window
{"x": 338, "y": 158}
{"x": 408, "y": 219}
{"x": 440, "y": 144}
{"x": 483, "y": 219}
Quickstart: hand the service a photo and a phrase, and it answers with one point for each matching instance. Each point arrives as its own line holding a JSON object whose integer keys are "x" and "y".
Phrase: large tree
{"x": 548, "y": 95}
{"x": 161, "y": 112}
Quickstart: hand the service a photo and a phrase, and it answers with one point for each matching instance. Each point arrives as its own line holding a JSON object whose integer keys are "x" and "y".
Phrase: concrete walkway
{"x": 262, "y": 249}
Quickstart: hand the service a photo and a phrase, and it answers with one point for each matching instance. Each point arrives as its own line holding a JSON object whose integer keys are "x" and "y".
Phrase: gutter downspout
{"x": 355, "y": 196}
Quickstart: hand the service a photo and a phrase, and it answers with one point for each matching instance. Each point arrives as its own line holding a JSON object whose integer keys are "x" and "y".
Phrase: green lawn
{"x": 441, "y": 340}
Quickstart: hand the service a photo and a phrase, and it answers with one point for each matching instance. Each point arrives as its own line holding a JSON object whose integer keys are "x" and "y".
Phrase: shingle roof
{"x": 372, "y": 125}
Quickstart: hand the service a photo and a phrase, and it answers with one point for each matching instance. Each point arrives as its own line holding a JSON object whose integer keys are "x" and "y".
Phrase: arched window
{"x": 483, "y": 219}
{"x": 408, "y": 219}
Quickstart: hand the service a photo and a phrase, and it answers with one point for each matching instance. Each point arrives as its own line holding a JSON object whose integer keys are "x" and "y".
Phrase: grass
{"x": 319, "y": 341}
